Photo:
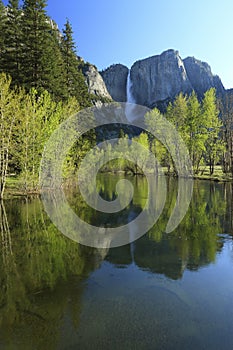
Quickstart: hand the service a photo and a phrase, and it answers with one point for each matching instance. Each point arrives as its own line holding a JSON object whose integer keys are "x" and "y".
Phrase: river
{"x": 163, "y": 291}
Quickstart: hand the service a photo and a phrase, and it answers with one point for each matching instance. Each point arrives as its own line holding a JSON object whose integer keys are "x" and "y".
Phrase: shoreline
{"x": 13, "y": 191}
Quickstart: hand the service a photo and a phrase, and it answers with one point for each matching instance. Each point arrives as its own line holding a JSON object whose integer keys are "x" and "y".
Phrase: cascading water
{"x": 130, "y": 100}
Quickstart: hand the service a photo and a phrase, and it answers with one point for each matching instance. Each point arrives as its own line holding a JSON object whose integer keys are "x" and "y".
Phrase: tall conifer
{"x": 12, "y": 55}
{"x": 42, "y": 58}
{"x": 74, "y": 81}
{"x": 2, "y": 33}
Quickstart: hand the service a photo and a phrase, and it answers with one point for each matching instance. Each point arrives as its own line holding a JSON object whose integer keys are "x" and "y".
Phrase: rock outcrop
{"x": 201, "y": 77}
{"x": 95, "y": 83}
{"x": 115, "y": 78}
{"x": 159, "y": 79}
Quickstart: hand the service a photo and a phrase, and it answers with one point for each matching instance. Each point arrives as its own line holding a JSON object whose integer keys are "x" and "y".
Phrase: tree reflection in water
{"x": 44, "y": 275}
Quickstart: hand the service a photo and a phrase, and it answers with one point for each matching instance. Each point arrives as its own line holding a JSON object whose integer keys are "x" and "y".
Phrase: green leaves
{"x": 12, "y": 56}
{"x": 26, "y": 122}
{"x": 9, "y": 112}
{"x": 74, "y": 83}
{"x": 199, "y": 126}
{"x": 37, "y": 55}
{"x": 213, "y": 145}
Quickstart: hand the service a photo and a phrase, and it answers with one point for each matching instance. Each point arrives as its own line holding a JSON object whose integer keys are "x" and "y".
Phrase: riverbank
{"x": 14, "y": 189}
{"x": 218, "y": 175}
{"x": 13, "y": 186}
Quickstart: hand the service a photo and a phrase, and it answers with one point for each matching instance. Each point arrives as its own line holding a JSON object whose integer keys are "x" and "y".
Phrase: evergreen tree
{"x": 74, "y": 81}
{"x": 12, "y": 56}
{"x": 36, "y": 55}
{"x": 2, "y": 32}
{"x": 42, "y": 60}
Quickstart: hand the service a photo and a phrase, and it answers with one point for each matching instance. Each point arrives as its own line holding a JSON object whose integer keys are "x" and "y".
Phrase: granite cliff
{"x": 115, "y": 78}
{"x": 95, "y": 83}
{"x": 201, "y": 77}
{"x": 159, "y": 79}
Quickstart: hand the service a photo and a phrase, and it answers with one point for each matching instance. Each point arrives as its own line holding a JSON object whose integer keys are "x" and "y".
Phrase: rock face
{"x": 95, "y": 83}
{"x": 159, "y": 79}
{"x": 201, "y": 77}
{"x": 115, "y": 78}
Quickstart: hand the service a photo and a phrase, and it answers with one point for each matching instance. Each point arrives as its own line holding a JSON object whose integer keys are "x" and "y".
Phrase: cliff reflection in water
{"x": 194, "y": 243}
{"x": 43, "y": 274}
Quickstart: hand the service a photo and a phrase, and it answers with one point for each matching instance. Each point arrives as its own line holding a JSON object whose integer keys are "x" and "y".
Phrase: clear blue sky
{"x": 123, "y": 31}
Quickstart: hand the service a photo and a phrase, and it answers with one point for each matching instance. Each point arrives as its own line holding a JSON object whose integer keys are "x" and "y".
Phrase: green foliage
{"x": 154, "y": 121}
{"x": 39, "y": 118}
{"x": 3, "y": 18}
{"x": 128, "y": 157}
{"x": 199, "y": 126}
{"x": 225, "y": 105}
{"x": 26, "y": 122}
{"x": 11, "y": 60}
{"x": 213, "y": 145}
{"x": 34, "y": 265}
{"x": 9, "y": 114}
{"x": 39, "y": 265}
{"x": 177, "y": 114}
{"x": 44, "y": 88}
{"x": 141, "y": 156}
{"x": 36, "y": 55}
{"x": 41, "y": 61}
{"x": 74, "y": 82}
{"x": 196, "y": 132}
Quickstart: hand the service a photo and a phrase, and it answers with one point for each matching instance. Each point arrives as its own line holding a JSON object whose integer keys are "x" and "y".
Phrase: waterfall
{"x": 129, "y": 99}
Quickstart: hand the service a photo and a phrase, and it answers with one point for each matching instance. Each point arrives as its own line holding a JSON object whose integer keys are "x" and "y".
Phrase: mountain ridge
{"x": 160, "y": 78}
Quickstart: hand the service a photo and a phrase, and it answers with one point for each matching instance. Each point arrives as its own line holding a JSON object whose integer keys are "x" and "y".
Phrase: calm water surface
{"x": 164, "y": 291}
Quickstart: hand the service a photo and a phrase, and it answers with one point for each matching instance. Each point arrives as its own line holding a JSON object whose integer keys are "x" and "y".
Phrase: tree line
{"x": 27, "y": 119}
{"x": 37, "y": 55}
{"x": 41, "y": 83}
{"x": 26, "y": 123}
{"x": 199, "y": 125}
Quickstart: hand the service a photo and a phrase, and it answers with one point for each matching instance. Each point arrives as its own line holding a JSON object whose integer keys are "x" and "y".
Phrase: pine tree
{"x": 42, "y": 62}
{"x": 12, "y": 56}
{"x": 2, "y": 32}
{"x": 74, "y": 80}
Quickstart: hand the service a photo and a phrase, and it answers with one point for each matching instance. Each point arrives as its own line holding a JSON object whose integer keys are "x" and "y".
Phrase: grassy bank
{"x": 218, "y": 175}
{"x": 14, "y": 188}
